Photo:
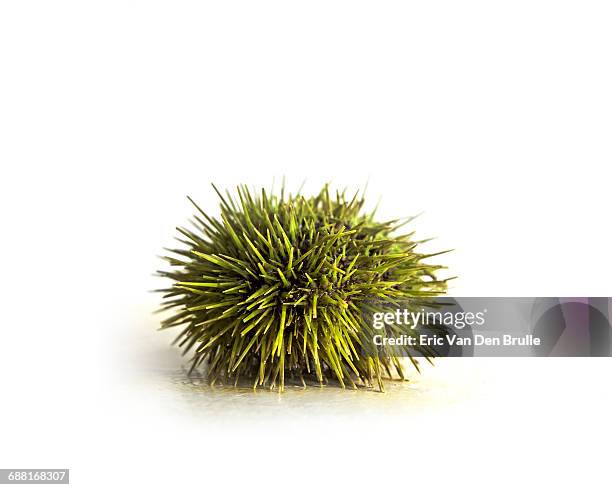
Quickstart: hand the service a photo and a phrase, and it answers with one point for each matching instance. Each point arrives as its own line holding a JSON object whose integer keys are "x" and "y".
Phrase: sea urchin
{"x": 277, "y": 285}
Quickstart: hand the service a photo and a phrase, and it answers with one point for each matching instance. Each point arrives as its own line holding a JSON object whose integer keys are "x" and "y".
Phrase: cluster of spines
{"x": 279, "y": 285}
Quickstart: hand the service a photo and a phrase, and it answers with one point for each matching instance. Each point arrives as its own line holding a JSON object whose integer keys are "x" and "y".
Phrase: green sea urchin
{"x": 276, "y": 287}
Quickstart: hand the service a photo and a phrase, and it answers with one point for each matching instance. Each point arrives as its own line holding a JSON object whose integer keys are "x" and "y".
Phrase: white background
{"x": 494, "y": 118}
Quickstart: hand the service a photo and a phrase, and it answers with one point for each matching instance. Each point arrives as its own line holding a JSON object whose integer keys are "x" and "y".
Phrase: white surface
{"x": 492, "y": 117}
